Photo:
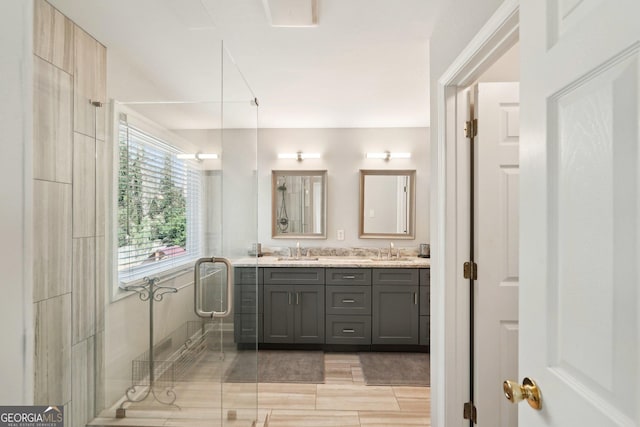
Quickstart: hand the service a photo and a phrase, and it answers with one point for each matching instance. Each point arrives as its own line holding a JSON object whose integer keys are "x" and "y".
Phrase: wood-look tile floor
{"x": 344, "y": 400}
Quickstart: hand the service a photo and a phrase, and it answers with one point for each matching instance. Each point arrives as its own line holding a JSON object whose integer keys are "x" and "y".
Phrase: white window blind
{"x": 158, "y": 205}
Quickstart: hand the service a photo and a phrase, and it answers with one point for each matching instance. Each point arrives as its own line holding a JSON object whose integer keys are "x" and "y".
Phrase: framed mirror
{"x": 387, "y": 204}
{"x": 299, "y": 204}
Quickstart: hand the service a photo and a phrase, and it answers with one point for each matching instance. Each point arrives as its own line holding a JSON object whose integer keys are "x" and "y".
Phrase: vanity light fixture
{"x": 197, "y": 156}
{"x": 388, "y": 155}
{"x": 299, "y": 156}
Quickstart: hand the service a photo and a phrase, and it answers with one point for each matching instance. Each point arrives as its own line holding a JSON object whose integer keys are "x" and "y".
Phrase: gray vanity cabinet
{"x": 293, "y": 305}
{"x": 248, "y": 304}
{"x": 395, "y": 316}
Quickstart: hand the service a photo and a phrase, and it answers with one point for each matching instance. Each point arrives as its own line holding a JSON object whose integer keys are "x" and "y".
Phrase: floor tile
{"x": 288, "y": 418}
{"x": 356, "y": 397}
{"x": 344, "y": 400}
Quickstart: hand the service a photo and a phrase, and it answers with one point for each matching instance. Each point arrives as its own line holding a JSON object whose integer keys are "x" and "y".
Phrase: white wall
{"x": 16, "y": 336}
{"x": 505, "y": 69}
{"x": 343, "y": 155}
{"x": 458, "y": 23}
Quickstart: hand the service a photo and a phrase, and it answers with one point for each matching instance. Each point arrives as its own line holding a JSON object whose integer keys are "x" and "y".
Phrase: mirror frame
{"x": 412, "y": 204}
{"x": 274, "y": 183}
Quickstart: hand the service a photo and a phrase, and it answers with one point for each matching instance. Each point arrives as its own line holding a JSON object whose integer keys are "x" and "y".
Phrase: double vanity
{"x": 332, "y": 303}
{"x": 370, "y": 299}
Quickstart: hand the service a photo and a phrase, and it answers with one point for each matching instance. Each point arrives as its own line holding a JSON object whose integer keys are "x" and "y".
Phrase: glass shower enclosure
{"x": 174, "y": 187}
{"x": 177, "y": 292}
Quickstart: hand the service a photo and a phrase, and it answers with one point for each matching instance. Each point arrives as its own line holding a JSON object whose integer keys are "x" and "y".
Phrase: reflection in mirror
{"x": 387, "y": 204}
{"x": 299, "y": 204}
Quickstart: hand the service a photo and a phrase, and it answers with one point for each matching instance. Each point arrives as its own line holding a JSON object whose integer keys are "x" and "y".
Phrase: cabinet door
{"x": 425, "y": 292}
{"x": 248, "y": 299}
{"x": 395, "y": 314}
{"x": 425, "y": 334}
{"x": 278, "y": 313}
{"x": 248, "y": 327}
{"x": 309, "y": 314}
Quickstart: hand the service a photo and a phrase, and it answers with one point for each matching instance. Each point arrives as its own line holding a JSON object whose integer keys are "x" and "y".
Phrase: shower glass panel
{"x": 168, "y": 168}
{"x": 180, "y": 371}
{"x": 186, "y": 359}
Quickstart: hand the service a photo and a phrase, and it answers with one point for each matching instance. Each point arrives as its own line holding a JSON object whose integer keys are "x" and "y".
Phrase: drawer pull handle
{"x": 348, "y": 277}
{"x": 348, "y": 331}
{"x": 247, "y": 329}
{"x": 348, "y": 301}
{"x": 415, "y": 298}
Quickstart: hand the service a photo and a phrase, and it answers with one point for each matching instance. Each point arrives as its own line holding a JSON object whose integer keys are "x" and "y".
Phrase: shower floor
{"x": 343, "y": 400}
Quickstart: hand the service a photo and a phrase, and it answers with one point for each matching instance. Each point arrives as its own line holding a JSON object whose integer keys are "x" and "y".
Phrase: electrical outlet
{"x": 340, "y": 234}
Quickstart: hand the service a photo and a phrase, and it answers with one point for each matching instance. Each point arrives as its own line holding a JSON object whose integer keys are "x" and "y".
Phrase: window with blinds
{"x": 158, "y": 205}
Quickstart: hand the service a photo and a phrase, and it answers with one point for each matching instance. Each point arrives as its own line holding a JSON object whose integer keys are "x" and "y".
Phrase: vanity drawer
{"x": 348, "y": 299}
{"x": 348, "y": 330}
{"x": 293, "y": 276}
{"x": 349, "y": 276}
{"x": 395, "y": 276}
{"x": 247, "y": 275}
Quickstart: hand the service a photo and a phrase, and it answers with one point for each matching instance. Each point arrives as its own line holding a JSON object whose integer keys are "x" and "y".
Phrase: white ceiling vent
{"x": 291, "y": 13}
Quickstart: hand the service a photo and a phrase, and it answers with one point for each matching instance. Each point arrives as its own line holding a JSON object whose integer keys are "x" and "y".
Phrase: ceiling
{"x": 365, "y": 64}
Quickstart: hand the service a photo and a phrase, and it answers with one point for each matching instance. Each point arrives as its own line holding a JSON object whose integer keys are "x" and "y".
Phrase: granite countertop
{"x": 333, "y": 261}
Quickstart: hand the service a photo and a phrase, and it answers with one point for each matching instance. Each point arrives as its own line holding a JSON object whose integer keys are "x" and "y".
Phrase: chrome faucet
{"x": 390, "y": 254}
{"x": 297, "y": 249}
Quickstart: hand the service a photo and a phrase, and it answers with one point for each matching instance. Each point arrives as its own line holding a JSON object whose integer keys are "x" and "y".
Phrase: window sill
{"x": 119, "y": 293}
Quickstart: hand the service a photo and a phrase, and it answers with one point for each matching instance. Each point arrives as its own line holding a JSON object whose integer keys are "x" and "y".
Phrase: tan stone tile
{"x": 393, "y": 419}
{"x": 53, "y": 36}
{"x": 350, "y": 358}
{"x": 355, "y": 397}
{"x": 288, "y": 418}
{"x": 52, "y": 253}
{"x": 337, "y": 373}
{"x": 412, "y": 392}
{"x": 52, "y": 123}
{"x": 415, "y": 405}
{"x": 357, "y": 375}
{"x": 287, "y": 396}
{"x": 128, "y": 422}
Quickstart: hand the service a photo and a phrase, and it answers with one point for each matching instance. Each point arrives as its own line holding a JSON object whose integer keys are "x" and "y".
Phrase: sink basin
{"x": 301, "y": 259}
{"x": 392, "y": 259}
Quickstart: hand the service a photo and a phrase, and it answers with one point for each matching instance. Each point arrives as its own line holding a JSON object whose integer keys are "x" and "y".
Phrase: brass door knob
{"x": 515, "y": 392}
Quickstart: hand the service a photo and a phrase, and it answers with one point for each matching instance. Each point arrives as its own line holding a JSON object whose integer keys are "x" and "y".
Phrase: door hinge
{"x": 471, "y": 270}
{"x": 471, "y": 128}
{"x": 470, "y": 412}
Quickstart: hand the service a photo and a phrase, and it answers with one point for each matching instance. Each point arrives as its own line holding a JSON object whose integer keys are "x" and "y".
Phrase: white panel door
{"x": 579, "y": 211}
{"x": 497, "y": 107}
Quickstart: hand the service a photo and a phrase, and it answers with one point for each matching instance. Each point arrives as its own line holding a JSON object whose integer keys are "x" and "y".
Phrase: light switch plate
{"x": 340, "y": 234}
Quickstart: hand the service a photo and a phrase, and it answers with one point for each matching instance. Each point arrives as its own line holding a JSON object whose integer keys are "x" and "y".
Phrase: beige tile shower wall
{"x": 70, "y": 168}
{"x": 53, "y": 36}
{"x": 52, "y": 117}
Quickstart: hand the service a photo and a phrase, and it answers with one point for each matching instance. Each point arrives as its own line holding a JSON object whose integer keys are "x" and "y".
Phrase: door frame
{"x": 450, "y": 299}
